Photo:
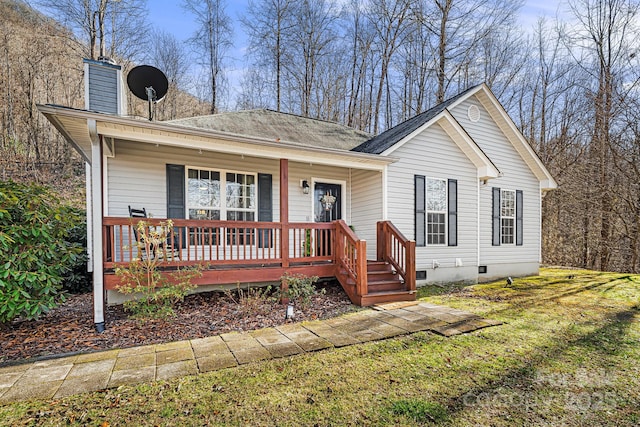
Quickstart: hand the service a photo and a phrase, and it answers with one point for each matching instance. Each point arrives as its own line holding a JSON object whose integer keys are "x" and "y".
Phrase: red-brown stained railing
{"x": 398, "y": 251}
{"x": 311, "y": 241}
{"x": 351, "y": 256}
{"x": 223, "y": 243}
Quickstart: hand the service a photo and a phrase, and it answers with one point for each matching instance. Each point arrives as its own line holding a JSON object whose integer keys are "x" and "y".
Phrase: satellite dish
{"x": 149, "y": 84}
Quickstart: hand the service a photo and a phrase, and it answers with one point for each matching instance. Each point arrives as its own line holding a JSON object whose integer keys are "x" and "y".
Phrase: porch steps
{"x": 383, "y": 285}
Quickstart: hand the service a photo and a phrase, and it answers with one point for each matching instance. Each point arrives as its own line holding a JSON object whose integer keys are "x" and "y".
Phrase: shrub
{"x": 78, "y": 280}
{"x": 251, "y": 301}
{"x": 153, "y": 293}
{"x": 300, "y": 288}
{"x": 35, "y": 251}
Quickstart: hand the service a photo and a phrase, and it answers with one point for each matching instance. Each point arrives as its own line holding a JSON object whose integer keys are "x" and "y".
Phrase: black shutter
{"x": 176, "y": 199}
{"x": 175, "y": 191}
{"x": 452, "y": 209}
{"x": 265, "y": 208}
{"x": 519, "y": 212}
{"x": 420, "y": 210}
{"x": 495, "y": 217}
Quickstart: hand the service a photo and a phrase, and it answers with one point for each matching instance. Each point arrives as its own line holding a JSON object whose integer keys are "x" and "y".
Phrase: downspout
{"x": 89, "y": 217}
{"x": 96, "y": 214}
{"x": 478, "y": 226}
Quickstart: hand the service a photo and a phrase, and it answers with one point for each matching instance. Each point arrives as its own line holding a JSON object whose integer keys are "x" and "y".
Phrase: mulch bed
{"x": 70, "y": 328}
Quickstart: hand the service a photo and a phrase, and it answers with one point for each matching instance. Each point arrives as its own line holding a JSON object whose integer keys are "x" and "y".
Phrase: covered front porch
{"x": 246, "y": 207}
{"x": 262, "y": 252}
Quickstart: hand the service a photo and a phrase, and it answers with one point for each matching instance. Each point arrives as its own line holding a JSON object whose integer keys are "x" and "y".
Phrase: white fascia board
{"x": 516, "y": 138}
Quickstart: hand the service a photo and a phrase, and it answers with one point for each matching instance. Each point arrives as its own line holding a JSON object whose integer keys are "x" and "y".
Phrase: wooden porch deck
{"x": 253, "y": 252}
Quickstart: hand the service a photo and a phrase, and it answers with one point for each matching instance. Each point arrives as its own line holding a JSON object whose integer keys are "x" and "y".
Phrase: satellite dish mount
{"x": 149, "y": 84}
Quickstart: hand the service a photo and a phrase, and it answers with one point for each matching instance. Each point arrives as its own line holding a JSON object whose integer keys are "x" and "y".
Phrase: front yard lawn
{"x": 567, "y": 354}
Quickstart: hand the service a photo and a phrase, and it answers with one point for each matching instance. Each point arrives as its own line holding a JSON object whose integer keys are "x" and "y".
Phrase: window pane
{"x": 435, "y": 228}
{"x": 508, "y": 203}
{"x": 507, "y": 229}
{"x": 436, "y": 195}
{"x": 204, "y": 214}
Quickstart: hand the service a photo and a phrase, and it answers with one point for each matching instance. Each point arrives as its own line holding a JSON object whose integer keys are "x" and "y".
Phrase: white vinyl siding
{"x": 515, "y": 175}
{"x": 366, "y": 199}
{"x": 142, "y": 183}
{"x": 432, "y": 153}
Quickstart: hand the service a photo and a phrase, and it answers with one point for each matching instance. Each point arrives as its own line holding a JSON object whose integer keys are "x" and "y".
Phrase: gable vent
{"x": 474, "y": 113}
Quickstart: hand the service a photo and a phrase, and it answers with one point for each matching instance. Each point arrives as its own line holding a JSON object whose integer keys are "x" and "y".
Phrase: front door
{"x": 327, "y": 202}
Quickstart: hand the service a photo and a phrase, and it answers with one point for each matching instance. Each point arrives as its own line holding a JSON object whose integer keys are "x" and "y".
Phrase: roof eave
{"x": 141, "y": 130}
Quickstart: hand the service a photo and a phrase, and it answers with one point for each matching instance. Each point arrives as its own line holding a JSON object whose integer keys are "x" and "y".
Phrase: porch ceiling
{"x": 72, "y": 124}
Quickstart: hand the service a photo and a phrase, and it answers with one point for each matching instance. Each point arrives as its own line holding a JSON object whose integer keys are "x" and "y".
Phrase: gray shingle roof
{"x": 387, "y": 139}
{"x": 277, "y": 126}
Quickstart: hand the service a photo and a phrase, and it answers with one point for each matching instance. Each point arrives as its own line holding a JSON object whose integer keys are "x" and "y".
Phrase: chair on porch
{"x": 167, "y": 249}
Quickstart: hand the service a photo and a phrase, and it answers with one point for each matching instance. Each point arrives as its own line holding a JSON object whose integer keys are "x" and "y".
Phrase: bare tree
{"x": 456, "y": 29}
{"x": 312, "y": 37}
{"x": 267, "y": 23}
{"x": 388, "y": 18}
{"x": 168, "y": 54}
{"x": 109, "y": 28}
{"x": 603, "y": 43}
{"x": 211, "y": 40}
{"x": 359, "y": 36}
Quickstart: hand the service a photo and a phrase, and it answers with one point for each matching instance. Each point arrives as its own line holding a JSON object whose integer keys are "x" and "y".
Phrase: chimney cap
{"x": 104, "y": 62}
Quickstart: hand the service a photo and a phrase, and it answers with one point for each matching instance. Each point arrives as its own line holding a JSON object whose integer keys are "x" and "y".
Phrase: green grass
{"x": 567, "y": 354}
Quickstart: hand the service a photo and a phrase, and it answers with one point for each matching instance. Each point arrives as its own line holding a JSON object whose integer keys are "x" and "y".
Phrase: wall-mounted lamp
{"x": 305, "y": 186}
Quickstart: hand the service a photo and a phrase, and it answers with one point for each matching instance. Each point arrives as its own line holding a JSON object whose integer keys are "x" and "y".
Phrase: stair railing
{"x": 393, "y": 247}
{"x": 351, "y": 256}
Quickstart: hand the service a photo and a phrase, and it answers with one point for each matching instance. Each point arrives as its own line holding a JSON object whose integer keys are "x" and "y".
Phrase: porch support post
{"x": 284, "y": 211}
{"x": 96, "y": 215}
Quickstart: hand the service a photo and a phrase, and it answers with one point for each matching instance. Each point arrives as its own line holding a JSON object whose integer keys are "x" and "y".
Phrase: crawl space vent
{"x": 474, "y": 113}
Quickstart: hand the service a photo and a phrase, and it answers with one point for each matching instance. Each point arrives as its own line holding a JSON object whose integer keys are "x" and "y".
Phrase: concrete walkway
{"x": 83, "y": 373}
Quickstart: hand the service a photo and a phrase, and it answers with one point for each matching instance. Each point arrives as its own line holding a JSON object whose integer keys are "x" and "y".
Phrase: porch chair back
{"x": 172, "y": 249}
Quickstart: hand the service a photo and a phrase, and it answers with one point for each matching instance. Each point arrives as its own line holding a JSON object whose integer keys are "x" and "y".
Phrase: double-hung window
{"x": 216, "y": 195}
{"x": 436, "y": 211}
{"x": 507, "y": 216}
{"x": 204, "y": 194}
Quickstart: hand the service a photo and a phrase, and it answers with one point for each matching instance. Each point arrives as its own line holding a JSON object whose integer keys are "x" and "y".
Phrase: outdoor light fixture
{"x": 289, "y": 314}
{"x": 305, "y": 186}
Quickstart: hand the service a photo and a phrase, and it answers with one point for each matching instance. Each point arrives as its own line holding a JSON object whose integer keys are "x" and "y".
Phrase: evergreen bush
{"x": 35, "y": 250}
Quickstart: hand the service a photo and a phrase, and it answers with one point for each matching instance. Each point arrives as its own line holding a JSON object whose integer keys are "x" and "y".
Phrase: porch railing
{"x": 351, "y": 258}
{"x": 397, "y": 250}
{"x": 222, "y": 243}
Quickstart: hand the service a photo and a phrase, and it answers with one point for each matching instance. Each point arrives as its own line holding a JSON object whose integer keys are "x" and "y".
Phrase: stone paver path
{"x": 83, "y": 373}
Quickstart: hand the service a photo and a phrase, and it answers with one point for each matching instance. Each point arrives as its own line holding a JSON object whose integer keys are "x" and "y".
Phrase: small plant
{"x": 250, "y": 300}
{"x": 154, "y": 294}
{"x": 299, "y": 288}
{"x": 307, "y": 243}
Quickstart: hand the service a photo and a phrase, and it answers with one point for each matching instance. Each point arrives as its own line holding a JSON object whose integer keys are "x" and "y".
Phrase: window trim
{"x": 445, "y": 212}
{"x": 513, "y": 218}
{"x": 223, "y": 191}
